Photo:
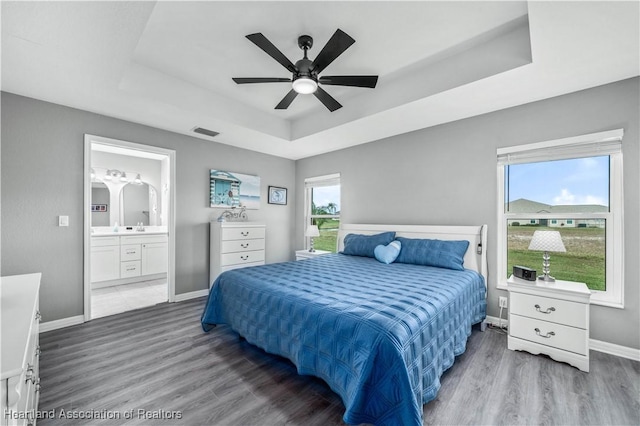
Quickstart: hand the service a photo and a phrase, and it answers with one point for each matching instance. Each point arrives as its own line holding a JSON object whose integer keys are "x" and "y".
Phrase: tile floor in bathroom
{"x": 121, "y": 298}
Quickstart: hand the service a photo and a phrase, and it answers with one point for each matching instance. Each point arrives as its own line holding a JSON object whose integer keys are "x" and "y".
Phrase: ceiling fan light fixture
{"x": 305, "y": 85}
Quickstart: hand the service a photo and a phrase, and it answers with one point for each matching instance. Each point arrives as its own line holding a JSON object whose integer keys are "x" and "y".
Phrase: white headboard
{"x": 475, "y": 258}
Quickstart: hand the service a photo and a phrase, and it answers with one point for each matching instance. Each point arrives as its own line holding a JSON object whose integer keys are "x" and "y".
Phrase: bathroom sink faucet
{"x": 140, "y": 227}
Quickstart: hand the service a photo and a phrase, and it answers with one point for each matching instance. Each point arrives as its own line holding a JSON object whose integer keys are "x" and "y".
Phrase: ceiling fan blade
{"x": 338, "y": 43}
{"x": 327, "y": 100}
{"x": 350, "y": 80}
{"x": 263, "y": 43}
{"x": 243, "y": 80}
{"x": 286, "y": 101}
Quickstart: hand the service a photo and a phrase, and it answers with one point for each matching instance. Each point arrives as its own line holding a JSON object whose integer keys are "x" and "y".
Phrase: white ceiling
{"x": 170, "y": 64}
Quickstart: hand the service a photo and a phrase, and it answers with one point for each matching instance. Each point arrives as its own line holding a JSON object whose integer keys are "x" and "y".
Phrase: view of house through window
{"x": 323, "y": 202}
{"x": 570, "y": 196}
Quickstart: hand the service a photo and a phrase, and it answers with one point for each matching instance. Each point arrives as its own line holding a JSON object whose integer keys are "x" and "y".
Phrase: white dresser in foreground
{"x": 550, "y": 318}
{"x": 235, "y": 245}
{"x": 20, "y": 349}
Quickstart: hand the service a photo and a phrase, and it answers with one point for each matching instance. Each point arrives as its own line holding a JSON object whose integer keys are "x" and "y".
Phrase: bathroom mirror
{"x": 100, "y": 210}
{"x": 138, "y": 203}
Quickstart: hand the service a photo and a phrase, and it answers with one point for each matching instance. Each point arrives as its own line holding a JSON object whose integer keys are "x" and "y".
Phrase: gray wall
{"x": 447, "y": 175}
{"x": 42, "y": 178}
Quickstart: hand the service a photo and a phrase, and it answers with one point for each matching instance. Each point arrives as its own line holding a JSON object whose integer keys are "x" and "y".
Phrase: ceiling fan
{"x": 306, "y": 79}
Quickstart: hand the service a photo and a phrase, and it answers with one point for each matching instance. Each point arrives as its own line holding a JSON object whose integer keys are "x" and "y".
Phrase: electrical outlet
{"x": 503, "y": 302}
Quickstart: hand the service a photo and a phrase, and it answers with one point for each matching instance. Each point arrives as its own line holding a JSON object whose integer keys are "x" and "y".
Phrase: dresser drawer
{"x": 557, "y": 336}
{"x": 242, "y": 233}
{"x": 233, "y": 246}
{"x": 547, "y": 309}
{"x": 130, "y": 252}
{"x": 130, "y": 269}
{"x": 242, "y": 257}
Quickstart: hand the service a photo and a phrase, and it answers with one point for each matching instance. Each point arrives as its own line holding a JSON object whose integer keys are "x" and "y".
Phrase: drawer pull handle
{"x": 244, "y": 245}
{"x": 131, "y": 252}
{"x": 548, "y": 311}
{"x": 548, "y": 335}
{"x": 131, "y": 268}
{"x": 244, "y": 233}
{"x": 244, "y": 257}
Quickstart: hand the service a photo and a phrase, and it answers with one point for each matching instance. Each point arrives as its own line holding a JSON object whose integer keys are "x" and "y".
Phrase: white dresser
{"x": 550, "y": 318}
{"x": 235, "y": 245}
{"x": 20, "y": 349}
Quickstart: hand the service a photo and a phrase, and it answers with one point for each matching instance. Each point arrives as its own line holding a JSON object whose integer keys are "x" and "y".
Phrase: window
{"x": 322, "y": 208}
{"x": 573, "y": 186}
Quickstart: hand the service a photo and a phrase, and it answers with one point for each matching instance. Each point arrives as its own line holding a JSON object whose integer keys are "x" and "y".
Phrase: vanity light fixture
{"x": 112, "y": 174}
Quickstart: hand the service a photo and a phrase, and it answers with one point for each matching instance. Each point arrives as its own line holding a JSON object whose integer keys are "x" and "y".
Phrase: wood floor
{"x": 159, "y": 360}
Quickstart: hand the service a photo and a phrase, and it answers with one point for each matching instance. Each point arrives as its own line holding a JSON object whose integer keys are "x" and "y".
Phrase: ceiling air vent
{"x": 206, "y": 132}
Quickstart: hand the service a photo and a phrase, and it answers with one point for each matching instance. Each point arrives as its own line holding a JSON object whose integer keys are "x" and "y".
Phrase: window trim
{"x": 590, "y": 145}
{"x": 317, "y": 182}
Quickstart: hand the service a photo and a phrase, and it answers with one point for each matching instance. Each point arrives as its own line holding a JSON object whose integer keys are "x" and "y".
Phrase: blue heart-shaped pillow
{"x": 387, "y": 254}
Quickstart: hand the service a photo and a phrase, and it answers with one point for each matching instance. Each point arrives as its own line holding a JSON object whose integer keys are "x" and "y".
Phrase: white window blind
{"x": 327, "y": 180}
{"x": 591, "y": 145}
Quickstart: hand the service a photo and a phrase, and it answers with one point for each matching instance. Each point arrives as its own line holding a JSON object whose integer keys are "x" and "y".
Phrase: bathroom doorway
{"x": 129, "y": 226}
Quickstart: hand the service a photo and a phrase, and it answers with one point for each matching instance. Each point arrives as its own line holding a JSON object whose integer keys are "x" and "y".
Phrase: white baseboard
{"x": 496, "y": 321}
{"x": 613, "y": 349}
{"x": 61, "y": 323}
{"x": 191, "y": 295}
{"x": 596, "y": 345}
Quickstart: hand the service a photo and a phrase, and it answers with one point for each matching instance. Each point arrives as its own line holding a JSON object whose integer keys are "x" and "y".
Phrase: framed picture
{"x": 230, "y": 189}
{"x": 277, "y": 195}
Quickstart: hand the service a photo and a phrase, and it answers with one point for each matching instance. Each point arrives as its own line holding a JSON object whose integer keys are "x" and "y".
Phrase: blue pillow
{"x": 387, "y": 254}
{"x": 364, "y": 245}
{"x": 443, "y": 254}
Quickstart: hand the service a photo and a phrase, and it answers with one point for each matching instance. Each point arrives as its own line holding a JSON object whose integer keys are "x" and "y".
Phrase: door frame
{"x": 171, "y": 226}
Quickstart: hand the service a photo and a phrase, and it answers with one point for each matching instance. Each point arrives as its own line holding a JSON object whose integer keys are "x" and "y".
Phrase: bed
{"x": 380, "y": 335}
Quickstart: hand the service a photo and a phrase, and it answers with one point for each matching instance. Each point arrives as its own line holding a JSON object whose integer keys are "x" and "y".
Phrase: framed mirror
{"x": 138, "y": 203}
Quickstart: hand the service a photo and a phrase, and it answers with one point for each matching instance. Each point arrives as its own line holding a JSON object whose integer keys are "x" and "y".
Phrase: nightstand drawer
{"x": 242, "y": 257}
{"x": 242, "y": 233}
{"x": 547, "y": 309}
{"x": 549, "y": 334}
{"x": 234, "y": 246}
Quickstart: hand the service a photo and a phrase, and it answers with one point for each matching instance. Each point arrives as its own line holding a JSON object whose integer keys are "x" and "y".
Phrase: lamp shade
{"x": 547, "y": 241}
{"x": 312, "y": 231}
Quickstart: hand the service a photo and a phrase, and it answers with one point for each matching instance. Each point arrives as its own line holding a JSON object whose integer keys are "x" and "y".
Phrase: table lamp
{"x": 312, "y": 232}
{"x": 547, "y": 241}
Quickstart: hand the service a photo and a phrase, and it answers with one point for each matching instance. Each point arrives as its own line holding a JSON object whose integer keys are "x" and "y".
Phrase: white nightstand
{"x": 550, "y": 318}
{"x": 306, "y": 254}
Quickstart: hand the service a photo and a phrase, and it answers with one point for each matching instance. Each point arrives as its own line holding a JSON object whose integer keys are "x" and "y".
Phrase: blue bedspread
{"x": 380, "y": 335}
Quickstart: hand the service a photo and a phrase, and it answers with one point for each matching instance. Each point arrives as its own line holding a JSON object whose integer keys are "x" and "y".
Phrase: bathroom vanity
{"x": 121, "y": 257}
